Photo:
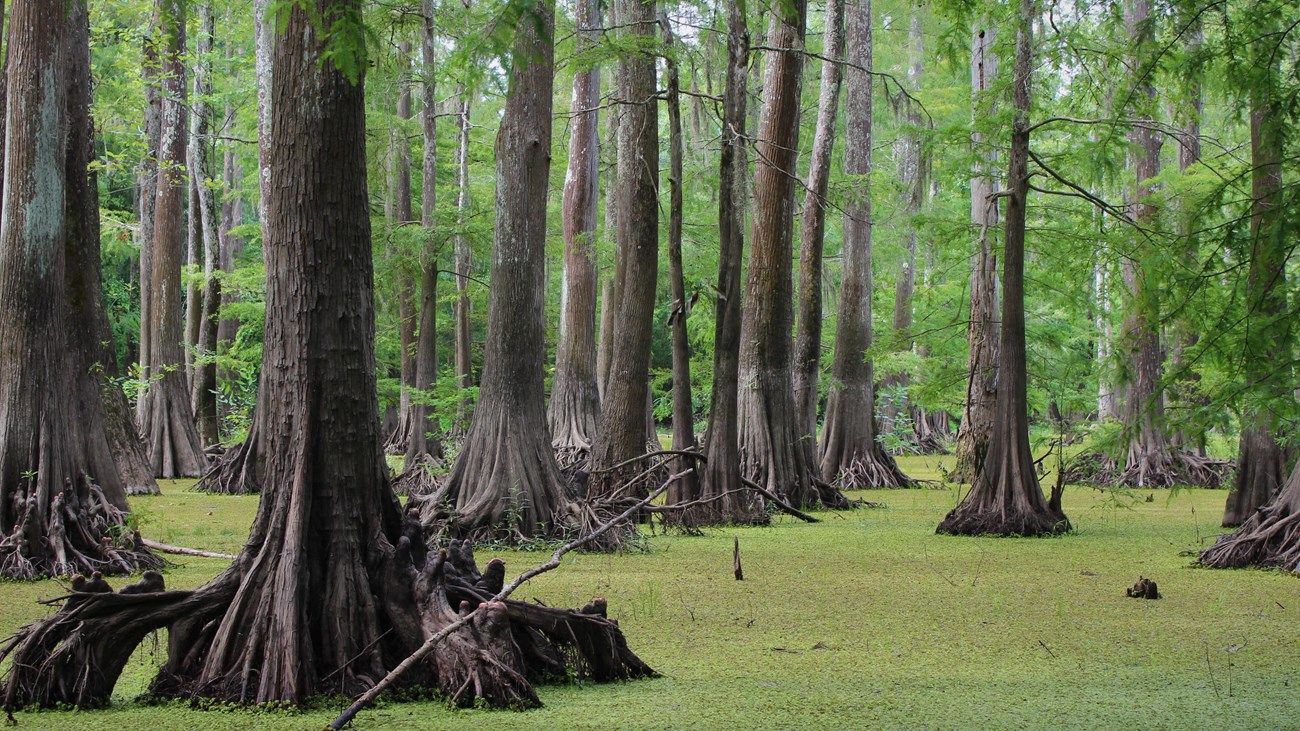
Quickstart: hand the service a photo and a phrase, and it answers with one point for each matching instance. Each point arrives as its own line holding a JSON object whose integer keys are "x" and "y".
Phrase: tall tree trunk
{"x": 611, "y": 292}
{"x": 146, "y": 199}
{"x": 263, "y": 59}
{"x": 56, "y": 519}
{"x": 174, "y": 447}
{"x": 686, "y": 488}
{"x": 506, "y": 482}
{"x": 1006, "y": 498}
{"x": 1149, "y": 462}
{"x": 403, "y": 216}
{"x": 575, "y": 395}
{"x": 771, "y": 453}
{"x": 912, "y": 174}
{"x": 851, "y": 457}
{"x": 203, "y": 386}
{"x": 464, "y": 363}
{"x": 721, "y": 484}
{"x": 621, "y": 428}
{"x": 423, "y": 447}
{"x": 1185, "y": 391}
{"x": 982, "y": 332}
{"x": 808, "y": 341}
{"x": 1260, "y": 467}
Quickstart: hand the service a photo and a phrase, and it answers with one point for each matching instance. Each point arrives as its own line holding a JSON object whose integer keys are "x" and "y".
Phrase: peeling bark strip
{"x": 575, "y": 396}
{"x": 55, "y": 520}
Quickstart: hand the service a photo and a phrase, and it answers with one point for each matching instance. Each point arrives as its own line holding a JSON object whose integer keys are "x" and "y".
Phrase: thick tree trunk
{"x": 771, "y": 452}
{"x": 174, "y": 447}
{"x": 575, "y": 395}
{"x": 621, "y": 428}
{"x": 506, "y": 483}
{"x": 334, "y": 589}
{"x": 912, "y": 174}
{"x": 851, "y": 457}
{"x": 56, "y": 519}
{"x": 423, "y": 445}
{"x": 982, "y": 332}
{"x": 721, "y": 485}
{"x": 203, "y": 386}
{"x": 808, "y": 341}
{"x": 686, "y": 488}
{"x": 1006, "y": 498}
{"x": 1259, "y": 463}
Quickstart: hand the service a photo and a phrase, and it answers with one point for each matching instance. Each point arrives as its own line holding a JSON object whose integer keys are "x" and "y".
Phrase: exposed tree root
{"x": 1167, "y": 469}
{"x": 970, "y": 522}
{"x": 235, "y": 472}
{"x": 67, "y": 534}
{"x": 422, "y": 477}
{"x": 492, "y": 655}
{"x": 871, "y": 472}
{"x": 1269, "y": 538}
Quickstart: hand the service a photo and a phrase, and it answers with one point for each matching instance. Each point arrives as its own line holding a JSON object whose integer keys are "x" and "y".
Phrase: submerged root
{"x": 1270, "y": 538}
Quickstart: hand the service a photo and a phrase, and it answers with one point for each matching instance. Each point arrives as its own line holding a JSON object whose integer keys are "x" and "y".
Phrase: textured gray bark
{"x": 203, "y": 384}
{"x": 464, "y": 362}
{"x": 56, "y": 519}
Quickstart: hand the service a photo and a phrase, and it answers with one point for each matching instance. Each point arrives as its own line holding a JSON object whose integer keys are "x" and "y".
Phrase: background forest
{"x": 1096, "y": 255}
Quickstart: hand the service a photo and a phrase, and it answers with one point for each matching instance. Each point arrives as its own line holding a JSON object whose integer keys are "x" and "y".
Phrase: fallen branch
{"x": 420, "y": 653}
{"x": 182, "y": 551}
{"x": 783, "y": 505}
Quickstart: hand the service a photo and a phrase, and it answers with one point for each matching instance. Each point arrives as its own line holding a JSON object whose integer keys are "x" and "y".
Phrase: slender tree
{"x": 686, "y": 488}
{"x": 982, "y": 335}
{"x": 168, "y": 425}
{"x": 808, "y": 341}
{"x": 621, "y": 429}
{"x": 423, "y": 447}
{"x": 146, "y": 198}
{"x": 851, "y": 457}
{"x": 912, "y": 174}
{"x": 464, "y": 362}
{"x": 56, "y": 518}
{"x": 575, "y": 395}
{"x": 1006, "y": 498}
{"x": 203, "y": 385}
{"x": 721, "y": 484}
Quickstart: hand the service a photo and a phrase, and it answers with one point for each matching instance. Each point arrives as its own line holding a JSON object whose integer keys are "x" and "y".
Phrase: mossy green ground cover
{"x": 866, "y": 620}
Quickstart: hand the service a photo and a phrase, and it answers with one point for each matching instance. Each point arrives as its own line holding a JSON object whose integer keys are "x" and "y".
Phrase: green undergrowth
{"x": 865, "y": 620}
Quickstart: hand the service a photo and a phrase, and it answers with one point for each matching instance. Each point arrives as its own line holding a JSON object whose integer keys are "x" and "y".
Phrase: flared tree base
{"x": 969, "y": 520}
{"x": 75, "y": 656}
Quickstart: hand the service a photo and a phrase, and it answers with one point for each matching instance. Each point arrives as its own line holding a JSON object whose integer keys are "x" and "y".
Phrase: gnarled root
{"x": 422, "y": 477}
{"x": 235, "y": 472}
{"x": 1156, "y": 470}
{"x": 1269, "y": 538}
{"x": 865, "y": 472}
